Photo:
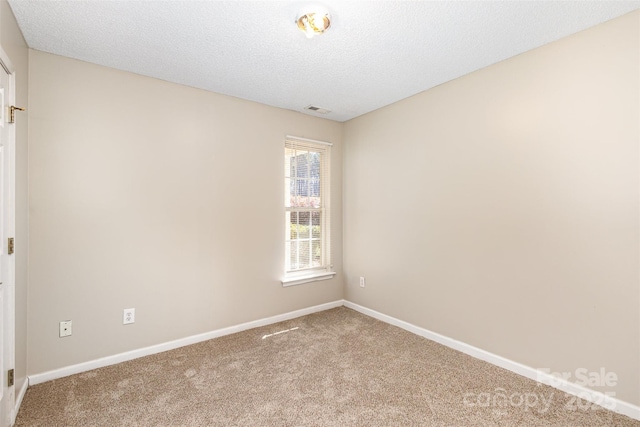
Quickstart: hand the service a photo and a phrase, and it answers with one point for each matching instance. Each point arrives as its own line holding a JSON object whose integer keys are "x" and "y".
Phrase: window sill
{"x": 299, "y": 280}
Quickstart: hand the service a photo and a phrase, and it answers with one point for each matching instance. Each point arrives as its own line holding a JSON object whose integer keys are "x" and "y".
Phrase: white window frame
{"x": 324, "y": 272}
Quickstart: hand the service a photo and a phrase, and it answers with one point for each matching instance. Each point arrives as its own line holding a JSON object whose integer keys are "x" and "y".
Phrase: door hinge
{"x": 12, "y": 113}
{"x": 10, "y": 378}
{"x": 10, "y": 246}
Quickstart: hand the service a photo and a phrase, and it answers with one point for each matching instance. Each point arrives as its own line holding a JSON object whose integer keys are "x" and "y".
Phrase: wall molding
{"x": 159, "y": 348}
{"x": 610, "y": 403}
{"x": 607, "y": 402}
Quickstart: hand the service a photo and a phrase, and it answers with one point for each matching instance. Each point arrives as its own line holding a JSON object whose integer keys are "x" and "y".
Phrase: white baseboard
{"x": 19, "y": 397}
{"x": 595, "y": 397}
{"x": 598, "y": 398}
{"x": 159, "y": 348}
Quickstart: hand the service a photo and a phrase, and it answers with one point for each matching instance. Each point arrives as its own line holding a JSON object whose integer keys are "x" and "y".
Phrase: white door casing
{"x": 7, "y": 230}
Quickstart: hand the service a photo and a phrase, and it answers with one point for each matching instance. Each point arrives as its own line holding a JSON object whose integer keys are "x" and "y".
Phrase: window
{"x": 307, "y": 216}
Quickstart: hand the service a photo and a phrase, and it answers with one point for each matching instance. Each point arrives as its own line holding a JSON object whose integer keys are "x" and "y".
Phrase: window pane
{"x": 303, "y": 254}
{"x": 303, "y": 220}
{"x": 314, "y": 174}
{"x": 293, "y": 257}
{"x": 315, "y": 225}
{"x": 316, "y": 253}
{"x": 293, "y": 225}
{"x": 302, "y": 184}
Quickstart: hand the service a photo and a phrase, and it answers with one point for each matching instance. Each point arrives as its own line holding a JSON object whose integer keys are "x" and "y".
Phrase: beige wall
{"x": 161, "y": 197}
{"x": 502, "y": 208}
{"x": 15, "y": 47}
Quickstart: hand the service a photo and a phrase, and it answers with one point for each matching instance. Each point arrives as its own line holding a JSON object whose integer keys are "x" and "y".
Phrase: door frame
{"x": 10, "y": 218}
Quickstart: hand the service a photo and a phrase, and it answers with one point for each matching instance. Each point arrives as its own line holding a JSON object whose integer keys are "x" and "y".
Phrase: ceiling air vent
{"x": 317, "y": 109}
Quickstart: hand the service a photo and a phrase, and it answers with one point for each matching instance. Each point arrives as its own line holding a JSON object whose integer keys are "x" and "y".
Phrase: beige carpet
{"x": 338, "y": 368}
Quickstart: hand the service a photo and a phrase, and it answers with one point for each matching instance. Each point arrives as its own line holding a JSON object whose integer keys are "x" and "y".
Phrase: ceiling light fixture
{"x": 313, "y": 23}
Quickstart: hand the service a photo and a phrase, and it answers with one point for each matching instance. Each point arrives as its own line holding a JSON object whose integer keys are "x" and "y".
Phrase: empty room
{"x": 333, "y": 213}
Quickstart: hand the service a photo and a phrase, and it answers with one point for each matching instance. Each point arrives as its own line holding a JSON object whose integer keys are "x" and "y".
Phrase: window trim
{"x": 313, "y": 141}
{"x": 293, "y": 279}
{"x": 312, "y": 274}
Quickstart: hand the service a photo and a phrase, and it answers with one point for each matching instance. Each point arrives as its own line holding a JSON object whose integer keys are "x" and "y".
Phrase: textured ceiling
{"x": 375, "y": 53}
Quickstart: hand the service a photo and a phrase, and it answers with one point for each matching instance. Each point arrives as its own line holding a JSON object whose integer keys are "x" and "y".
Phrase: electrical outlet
{"x": 65, "y": 328}
{"x": 129, "y": 316}
{"x": 362, "y": 282}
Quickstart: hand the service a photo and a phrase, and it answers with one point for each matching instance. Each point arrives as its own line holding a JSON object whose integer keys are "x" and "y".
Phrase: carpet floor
{"x": 334, "y": 368}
